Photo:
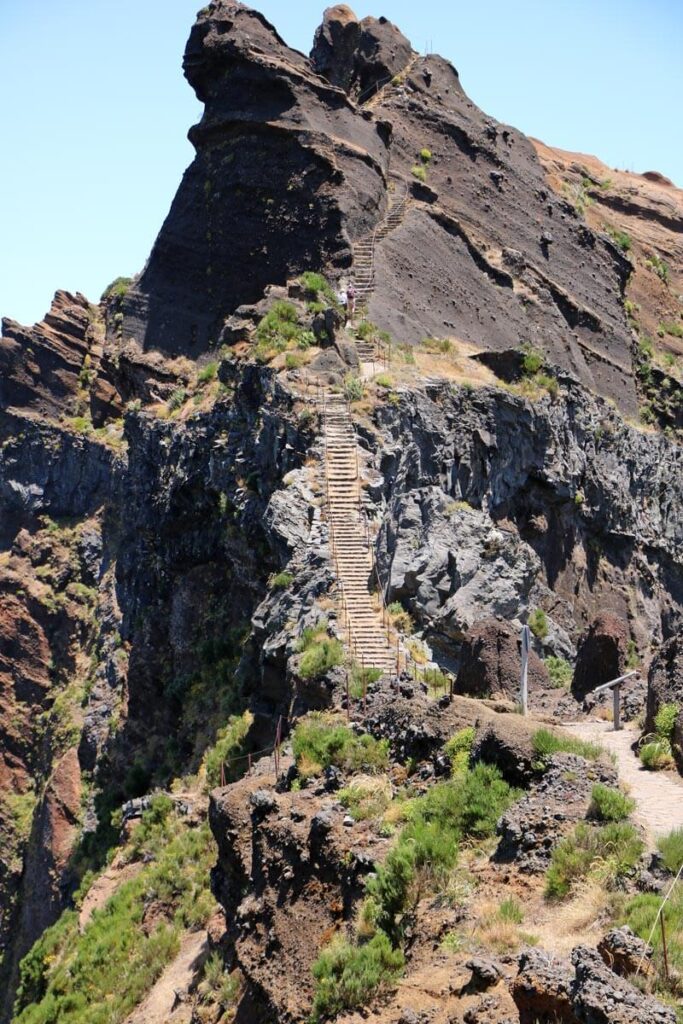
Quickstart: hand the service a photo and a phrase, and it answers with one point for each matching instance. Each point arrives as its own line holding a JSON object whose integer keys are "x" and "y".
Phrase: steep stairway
{"x": 364, "y": 249}
{"x": 349, "y": 541}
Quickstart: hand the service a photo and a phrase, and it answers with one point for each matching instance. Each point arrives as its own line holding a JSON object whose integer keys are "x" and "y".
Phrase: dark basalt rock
{"x": 601, "y": 655}
{"x": 490, "y": 662}
{"x": 624, "y": 953}
{"x": 287, "y": 172}
{"x": 545, "y": 989}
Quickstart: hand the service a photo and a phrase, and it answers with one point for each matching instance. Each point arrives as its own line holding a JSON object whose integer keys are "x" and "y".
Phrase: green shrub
{"x": 347, "y": 974}
{"x": 532, "y": 361}
{"x": 118, "y": 288}
{"x": 354, "y": 389}
{"x": 674, "y": 329}
{"x": 319, "y": 657}
{"x": 656, "y": 754}
{"x": 632, "y": 656}
{"x": 538, "y": 623}
{"x": 418, "y": 171}
{"x": 425, "y": 155}
{"x": 609, "y": 804}
{"x": 362, "y": 677}
{"x": 230, "y": 744}
{"x": 317, "y": 286}
{"x": 510, "y": 911}
{"x": 659, "y": 267}
{"x": 207, "y": 373}
{"x": 366, "y": 330}
{"x": 459, "y": 747}
{"x": 609, "y": 852}
{"x": 559, "y": 670}
{"x": 383, "y": 380}
{"x": 665, "y": 721}
{"x": 400, "y": 618}
{"x": 293, "y": 361}
{"x": 321, "y": 740}
{"x": 177, "y": 399}
{"x": 622, "y": 239}
{"x": 641, "y": 914}
{"x": 282, "y": 581}
{"x": 671, "y": 848}
{"x": 279, "y": 330}
{"x": 546, "y": 743}
{"x": 436, "y": 681}
{"x": 469, "y": 805}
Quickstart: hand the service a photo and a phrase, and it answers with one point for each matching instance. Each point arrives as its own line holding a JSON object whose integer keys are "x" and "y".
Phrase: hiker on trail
{"x": 343, "y": 300}
{"x": 351, "y": 299}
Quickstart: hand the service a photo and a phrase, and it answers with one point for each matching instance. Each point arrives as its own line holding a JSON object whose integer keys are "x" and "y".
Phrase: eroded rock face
{"x": 601, "y": 655}
{"x": 280, "y": 184}
{"x": 546, "y": 989}
{"x": 532, "y": 828}
{"x": 665, "y": 679}
{"x": 491, "y": 663}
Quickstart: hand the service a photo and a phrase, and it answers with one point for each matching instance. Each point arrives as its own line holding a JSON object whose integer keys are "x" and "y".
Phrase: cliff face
{"x": 281, "y": 183}
{"x": 487, "y": 253}
{"x": 162, "y": 536}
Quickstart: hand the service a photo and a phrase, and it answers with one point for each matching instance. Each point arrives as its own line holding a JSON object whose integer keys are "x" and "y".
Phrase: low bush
{"x": 538, "y": 623}
{"x": 425, "y": 155}
{"x": 347, "y": 974}
{"x": 655, "y": 755}
{"x": 418, "y": 171}
{"x": 282, "y": 580}
{"x": 321, "y": 740}
{"x": 320, "y": 651}
{"x": 511, "y": 911}
{"x": 362, "y": 677}
{"x": 609, "y": 852}
{"x": 436, "y": 681}
{"x": 354, "y": 389}
{"x": 318, "y": 287}
{"x": 400, "y": 618}
{"x": 622, "y": 239}
{"x": 608, "y": 804}
{"x": 671, "y": 848}
{"x": 280, "y": 330}
{"x": 118, "y": 288}
{"x": 559, "y": 670}
{"x": 546, "y": 743}
{"x": 427, "y": 849}
{"x": 177, "y": 400}
{"x": 229, "y": 744}
{"x": 366, "y": 796}
{"x": 207, "y": 373}
{"x": 640, "y": 915}
{"x": 459, "y": 747}
{"x": 532, "y": 360}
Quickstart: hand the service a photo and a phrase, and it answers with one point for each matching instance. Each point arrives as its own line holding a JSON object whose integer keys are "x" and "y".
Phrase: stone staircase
{"x": 349, "y": 541}
{"x": 364, "y": 249}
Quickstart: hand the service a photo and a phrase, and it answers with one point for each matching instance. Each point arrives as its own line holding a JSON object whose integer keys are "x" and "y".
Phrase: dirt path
{"x": 104, "y": 887}
{"x": 160, "y": 1002}
{"x": 658, "y": 795}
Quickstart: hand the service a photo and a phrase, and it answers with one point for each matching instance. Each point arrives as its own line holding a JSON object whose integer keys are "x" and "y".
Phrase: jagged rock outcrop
{"x": 601, "y": 655}
{"x": 491, "y": 662}
{"x": 665, "y": 679}
{"x": 546, "y": 989}
{"x": 278, "y": 186}
{"x": 457, "y": 468}
{"x": 530, "y": 830}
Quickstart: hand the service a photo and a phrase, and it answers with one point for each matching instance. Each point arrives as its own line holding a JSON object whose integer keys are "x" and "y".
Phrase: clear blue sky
{"x": 94, "y": 109}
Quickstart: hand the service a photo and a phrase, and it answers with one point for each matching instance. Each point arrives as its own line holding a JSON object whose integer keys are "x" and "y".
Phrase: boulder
{"x": 334, "y": 45}
{"x": 601, "y": 654}
{"x": 625, "y": 953}
{"x": 506, "y": 742}
{"x": 544, "y": 989}
{"x": 490, "y": 662}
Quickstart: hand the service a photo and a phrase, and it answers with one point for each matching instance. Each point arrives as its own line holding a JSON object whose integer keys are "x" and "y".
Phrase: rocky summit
{"x": 390, "y": 421}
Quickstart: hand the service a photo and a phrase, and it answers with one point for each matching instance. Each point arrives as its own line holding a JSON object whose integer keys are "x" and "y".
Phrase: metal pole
{"x": 664, "y": 949}
{"x": 616, "y": 696}
{"x": 524, "y": 687}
